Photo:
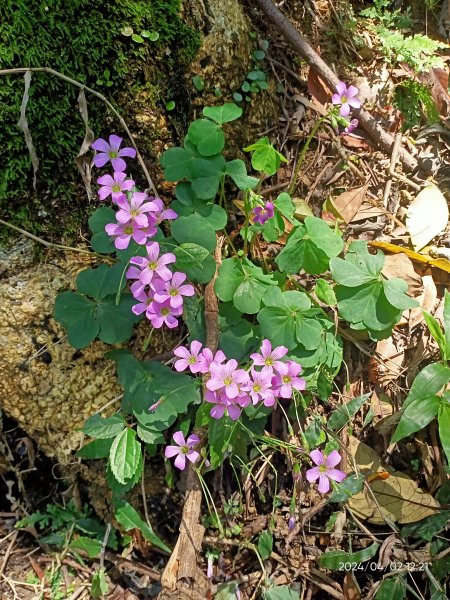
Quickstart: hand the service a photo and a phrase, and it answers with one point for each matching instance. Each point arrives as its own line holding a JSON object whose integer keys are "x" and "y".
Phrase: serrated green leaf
{"x": 125, "y": 455}
{"x": 149, "y": 435}
{"x": 223, "y": 114}
{"x": 416, "y": 416}
{"x": 129, "y": 519}
{"x": 96, "y": 449}
{"x": 100, "y": 428}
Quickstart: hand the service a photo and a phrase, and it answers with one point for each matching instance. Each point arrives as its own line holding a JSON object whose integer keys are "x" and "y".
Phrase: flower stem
{"x": 293, "y": 185}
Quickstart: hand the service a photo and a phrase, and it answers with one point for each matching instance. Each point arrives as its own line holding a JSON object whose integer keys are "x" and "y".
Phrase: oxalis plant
{"x": 279, "y": 347}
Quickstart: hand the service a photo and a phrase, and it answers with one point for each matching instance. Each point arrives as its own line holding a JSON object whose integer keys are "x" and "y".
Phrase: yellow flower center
{"x": 256, "y": 387}
{"x": 112, "y": 154}
{"x": 227, "y": 381}
{"x": 268, "y": 362}
{"x": 165, "y": 312}
{"x": 286, "y": 379}
{"x": 116, "y": 187}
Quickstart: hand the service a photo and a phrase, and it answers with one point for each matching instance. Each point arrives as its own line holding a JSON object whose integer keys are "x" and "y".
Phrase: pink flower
{"x": 174, "y": 291}
{"x": 261, "y": 214}
{"x": 145, "y": 299}
{"x": 291, "y": 523}
{"x": 160, "y": 314}
{"x": 191, "y": 359}
{"x": 123, "y": 232}
{"x": 184, "y": 449}
{"x": 346, "y": 97}
{"x": 223, "y": 404}
{"x": 153, "y": 264}
{"x": 135, "y": 209}
{"x": 208, "y": 358}
{"x": 268, "y": 357}
{"x": 287, "y": 379}
{"x": 111, "y": 152}
{"x": 351, "y": 126}
{"x": 324, "y": 471}
{"x": 114, "y": 186}
{"x": 260, "y": 386}
{"x": 227, "y": 376}
{"x": 160, "y": 213}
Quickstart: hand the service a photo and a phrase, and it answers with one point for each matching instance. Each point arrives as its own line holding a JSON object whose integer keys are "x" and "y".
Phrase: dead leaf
{"x": 439, "y": 263}
{"x": 387, "y": 547}
{"x": 23, "y": 125}
{"x": 354, "y": 142}
{"x": 400, "y": 265}
{"x": 396, "y": 498}
{"x": 367, "y": 211}
{"x": 426, "y": 300}
{"x": 350, "y": 587}
{"x": 349, "y": 202}
{"x": 438, "y": 78}
{"x": 318, "y": 89}
{"x": 392, "y": 359}
{"x": 84, "y": 165}
{"x": 427, "y": 216}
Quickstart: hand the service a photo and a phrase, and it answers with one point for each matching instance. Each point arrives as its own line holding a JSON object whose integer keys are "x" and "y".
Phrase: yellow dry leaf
{"x": 396, "y": 497}
{"x": 439, "y": 263}
{"x": 427, "y": 216}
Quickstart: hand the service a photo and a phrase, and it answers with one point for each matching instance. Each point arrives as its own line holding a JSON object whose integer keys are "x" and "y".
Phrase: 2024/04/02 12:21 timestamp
{"x": 374, "y": 566}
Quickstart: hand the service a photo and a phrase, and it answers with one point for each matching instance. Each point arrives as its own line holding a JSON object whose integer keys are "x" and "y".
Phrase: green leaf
{"x": 359, "y": 266}
{"x": 281, "y": 592}
{"x": 137, "y": 38}
{"x": 196, "y": 261}
{"x": 100, "y": 428}
{"x": 429, "y": 381}
{"x": 333, "y": 559}
{"x": 285, "y": 205}
{"x": 351, "y": 485}
{"x": 207, "y": 136}
{"x": 237, "y": 340}
{"x": 125, "y": 455}
{"x": 446, "y": 318}
{"x": 116, "y": 321}
{"x": 416, "y": 416}
{"x": 170, "y": 105}
{"x": 88, "y": 545}
{"x": 259, "y": 54}
{"x": 129, "y": 519}
{"x": 325, "y": 292}
{"x": 344, "y": 413}
{"x": 223, "y": 114}
{"x": 102, "y": 281}
{"x": 100, "y": 240}
{"x": 392, "y": 588}
{"x": 238, "y": 173}
{"x": 444, "y": 427}
{"x": 256, "y": 75}
{"x": 436, "y": 332}
{"x": 99, "y": 585}
{"x": 265, "y": 544}
{"x": 265, "y": 158}
{"x": 427, "y": 528}
{"x": 78, "y": 316}
{"x": 147, "y": 383}
{"x": 206, "y": 187}
{"x": 198, "y": 82}
{"x": 149, "y": 435}
{"x": 395, "y": 292}
{"x": 219, "y": 432}
{"x": 96, "y": 449}
{"x": 310, "y": 247}
{"x": 176, "y": 163}
{"x": 193, "y": 229}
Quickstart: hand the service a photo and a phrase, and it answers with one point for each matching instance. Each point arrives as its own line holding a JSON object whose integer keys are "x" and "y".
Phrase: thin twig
{"x": 76, "y": 83}
{"x": 8, "y": 553}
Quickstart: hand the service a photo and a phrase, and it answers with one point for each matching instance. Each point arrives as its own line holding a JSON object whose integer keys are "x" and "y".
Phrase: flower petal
{"x": 333, "y": 459}
{"x": 317, "y": 457}
{"x": 312, "y": 474}
{"x": 180, "y": 462}
{"x": 336, "y": 475}
{"x": 179, "y": 438}
{"x": 324, "y": 484}
{"x": 341, "y": 88}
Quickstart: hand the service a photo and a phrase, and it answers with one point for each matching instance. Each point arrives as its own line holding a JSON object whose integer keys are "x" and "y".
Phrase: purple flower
{"x": 112, "y": 152}
{"x": 268, "y": 357}
{"x": 287, "y": 379}
{"x": 160, "y": 314}
{"x": 227, "y": 376}
{"x": 351, "y": 126}
{"x": 191, "y": 359}
{"x": 223, "y": 404}
{"x": 346, "y": 97}
{"x": 123, "y": 232}
{"x": 324, "y": 471}
{"x": 161, "y": 213}
{"x": 260, "y": 386}
{"x": 135, "y": 209}
{"x": 291, "y": 523}
{"x": 153, "y": 264}
{"x": 208, "y": 358}
{"x": 174, "y": 291}
{"x": 115, "y": 185}
{"x": 261, "y": 214}
{"x": 184, "y": 450}
{"x": 145, "y": 299}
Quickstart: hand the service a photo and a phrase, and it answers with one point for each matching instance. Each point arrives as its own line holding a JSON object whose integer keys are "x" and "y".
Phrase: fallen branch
{"x": 380, "y": 137}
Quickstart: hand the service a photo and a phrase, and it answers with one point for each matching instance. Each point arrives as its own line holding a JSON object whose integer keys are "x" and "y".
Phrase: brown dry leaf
{"x": 367, "y": 211}
{"x": 349, "y": 202}
{"x": 380, "y": 405}
{"x": 427, "y": 301}
{"x": 318, "y": 89}
{"x": 386, "y": 550}
{"x": 396, "y": 498}
{"x": 354, "y": 142}
{"x": 399, "y": 265}
{"x": 350, "y": 587}
{"x": 439, "y": 86}
{"x": 438, "y": 263}
{"x": 427, "y": 216}
{"x": 392, "y": 357}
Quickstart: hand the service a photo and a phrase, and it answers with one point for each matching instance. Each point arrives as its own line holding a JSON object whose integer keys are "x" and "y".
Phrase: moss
{"x": 81, "y": 41}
